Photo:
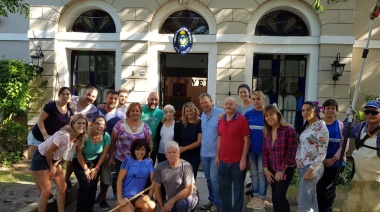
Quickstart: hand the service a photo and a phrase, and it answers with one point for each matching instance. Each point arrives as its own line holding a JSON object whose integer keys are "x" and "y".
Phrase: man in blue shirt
{"x": 209, "y": 120}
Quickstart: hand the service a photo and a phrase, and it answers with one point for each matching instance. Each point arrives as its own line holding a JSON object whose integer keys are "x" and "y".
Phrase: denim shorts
{"x": 38, "y": 162}
{"x": 32, "y": 141}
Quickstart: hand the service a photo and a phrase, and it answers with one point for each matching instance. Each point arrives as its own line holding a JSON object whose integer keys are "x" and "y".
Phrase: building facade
{"x": 284, "y": 48}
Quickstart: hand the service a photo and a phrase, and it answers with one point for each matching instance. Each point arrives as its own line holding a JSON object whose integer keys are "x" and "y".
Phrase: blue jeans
{"x": 185, "y": 205}
{"x": 307, "y": 197}
{"x": 211, "y": 174}
{"x": 259, "y": 181}
{"x": 230, "y": 173}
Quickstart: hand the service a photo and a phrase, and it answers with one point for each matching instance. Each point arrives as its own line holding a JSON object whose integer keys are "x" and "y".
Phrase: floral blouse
{"x": 126, "y": 137}
{"x": 313, "y": 144}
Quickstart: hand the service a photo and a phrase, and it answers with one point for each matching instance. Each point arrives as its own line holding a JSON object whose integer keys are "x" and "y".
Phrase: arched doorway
{"x": 282, "y": 77}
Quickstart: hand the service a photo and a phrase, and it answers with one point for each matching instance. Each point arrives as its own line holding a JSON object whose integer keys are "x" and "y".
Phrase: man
{"x": 364, "y": 192}
{"x": 176, "y": 176}
{"x": 122, "y": 106}
{"x": 84, "y": 105}
{"x": 110, "y": 113}
{"x": 209, "y": 120}
{"x": 152, "y": 115}
{"x": 231, "y": 156}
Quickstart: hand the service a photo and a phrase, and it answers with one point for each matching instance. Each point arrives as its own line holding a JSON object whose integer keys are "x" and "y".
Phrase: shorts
{"x": 32, "y": 141}
{"x": 105, "y": 173}
{"x": 39, "y": 162}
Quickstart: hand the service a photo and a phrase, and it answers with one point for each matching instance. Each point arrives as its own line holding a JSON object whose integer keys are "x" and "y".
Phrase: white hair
{"x": 170, "y": 108}
{"x": 171, "y": 144}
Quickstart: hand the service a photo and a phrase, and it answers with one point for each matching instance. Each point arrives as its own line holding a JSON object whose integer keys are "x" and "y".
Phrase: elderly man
{"x": 209, "y": 120}
{"x": 176, "y": 176}
{"x": 152, "y": 115}
{"x": 231, "y": 156}
{"x": 364, "y": 193}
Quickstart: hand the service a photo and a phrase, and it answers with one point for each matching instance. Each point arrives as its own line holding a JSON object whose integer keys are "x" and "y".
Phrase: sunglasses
{"x": 372, "y": 112}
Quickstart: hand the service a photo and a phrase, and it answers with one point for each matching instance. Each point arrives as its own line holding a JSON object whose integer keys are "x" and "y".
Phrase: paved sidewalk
{"x": 203, "y": 195}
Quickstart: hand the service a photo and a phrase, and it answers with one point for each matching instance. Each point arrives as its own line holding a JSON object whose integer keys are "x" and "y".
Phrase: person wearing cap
{"x": 366, "y": 180}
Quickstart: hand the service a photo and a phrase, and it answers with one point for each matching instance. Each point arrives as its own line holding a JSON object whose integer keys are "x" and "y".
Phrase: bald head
{"x": 230, "y": 105}
{"x": 153, "y": 100}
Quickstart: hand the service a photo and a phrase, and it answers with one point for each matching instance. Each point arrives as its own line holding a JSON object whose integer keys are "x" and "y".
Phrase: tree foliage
{"x": 15, "y": 77}
{"x": 319, "y": 7}
{"x": 14, "y": 6}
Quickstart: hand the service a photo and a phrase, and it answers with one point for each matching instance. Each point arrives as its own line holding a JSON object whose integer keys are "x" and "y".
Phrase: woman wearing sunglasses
{"x": 366, "y": 181}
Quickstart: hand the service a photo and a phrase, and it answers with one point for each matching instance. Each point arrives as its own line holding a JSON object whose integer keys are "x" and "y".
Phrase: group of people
{"x": 249, "y": 136}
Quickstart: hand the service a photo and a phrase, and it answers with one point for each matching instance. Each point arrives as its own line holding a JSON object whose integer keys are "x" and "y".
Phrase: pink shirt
{"x": 61, "y": 139}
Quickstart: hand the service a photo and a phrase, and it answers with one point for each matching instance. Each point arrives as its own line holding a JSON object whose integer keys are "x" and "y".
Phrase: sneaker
{"x": 104, "y": 205}
{"x": 256, "y": 203}
{"x": 97, "y": 200}
{"x": 207, "y": 206}
{"x": 213, "y": 208}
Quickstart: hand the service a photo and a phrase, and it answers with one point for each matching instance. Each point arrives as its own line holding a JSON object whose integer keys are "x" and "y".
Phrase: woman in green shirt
{"x": 88, "y": 161}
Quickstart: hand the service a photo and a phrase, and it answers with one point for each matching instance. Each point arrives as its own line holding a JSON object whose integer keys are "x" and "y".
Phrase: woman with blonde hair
{"x": 45, "y": 164}
{"x": 191, "y": 136}
{"x": 279, "y": 151}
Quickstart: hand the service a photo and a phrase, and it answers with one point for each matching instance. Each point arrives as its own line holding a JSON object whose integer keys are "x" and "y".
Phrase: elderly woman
{"x": 167, "y": 130}
{"x": 132, "y": 178}
{"x": 176, "y": 176}
{"x": 191, "y": 136}
{"x": 45, "y": 164}
{"x": 364, "y": 193}
{"x": 311, "y": 152}
{"x": 125, "y": 132}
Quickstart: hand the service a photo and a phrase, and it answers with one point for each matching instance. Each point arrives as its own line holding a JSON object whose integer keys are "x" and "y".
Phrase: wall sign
{"x": 182, "y": 41}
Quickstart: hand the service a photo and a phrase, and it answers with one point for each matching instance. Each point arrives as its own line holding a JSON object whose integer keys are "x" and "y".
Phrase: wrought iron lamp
{"x": 37, "y": 59}
{"x": 337, "y": 68}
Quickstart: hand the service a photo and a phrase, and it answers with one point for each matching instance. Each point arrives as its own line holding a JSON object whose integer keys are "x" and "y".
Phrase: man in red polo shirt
{"x": 231, "y": 156}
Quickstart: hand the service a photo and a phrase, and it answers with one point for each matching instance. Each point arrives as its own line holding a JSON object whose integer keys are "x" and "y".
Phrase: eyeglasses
{"x": 372, "y": 112}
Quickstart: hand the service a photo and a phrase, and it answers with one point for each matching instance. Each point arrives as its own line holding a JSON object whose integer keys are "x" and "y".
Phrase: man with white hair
{"x": 231, "y": 156}
{"x": 176, "y": 176}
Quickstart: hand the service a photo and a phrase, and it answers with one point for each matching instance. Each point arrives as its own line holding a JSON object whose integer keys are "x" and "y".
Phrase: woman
{"x": 244, "y": 93}
{"x": 191, "y": 136}
{"x": 259, "y": 184}
{"x": 167, "y": 130}
{"x": 88, "y": 161}
{"x": 45, "y": 164}
{"x": 311, "y": 152}
{"x": 132, "y": 179}
{"x": 54, "y": 115}
{"x": 335, "y": 127}
{"x": 279, "y": 151}
{"x": 126, "y": 131}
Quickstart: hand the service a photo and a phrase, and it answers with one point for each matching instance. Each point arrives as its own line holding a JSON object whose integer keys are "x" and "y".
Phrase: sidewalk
{"x": 203, "y": 195}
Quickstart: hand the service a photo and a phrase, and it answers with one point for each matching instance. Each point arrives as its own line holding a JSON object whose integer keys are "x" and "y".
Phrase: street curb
{"x": 71, "y": 197}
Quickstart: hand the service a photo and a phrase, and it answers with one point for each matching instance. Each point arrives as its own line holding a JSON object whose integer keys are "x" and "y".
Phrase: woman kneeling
{"x": 132, "y": 179}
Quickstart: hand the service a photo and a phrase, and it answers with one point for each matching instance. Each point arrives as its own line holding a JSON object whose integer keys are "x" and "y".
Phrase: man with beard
{"x": 83, "y": 105}
{"x": 112, "y": 117}
{"x": 152, "y": 115}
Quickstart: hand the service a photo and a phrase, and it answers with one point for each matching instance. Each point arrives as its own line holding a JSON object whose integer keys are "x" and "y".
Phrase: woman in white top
{"x": 311, "y": 152}
{"x": 45, "y": 164}
{"x": 167, "y": 130}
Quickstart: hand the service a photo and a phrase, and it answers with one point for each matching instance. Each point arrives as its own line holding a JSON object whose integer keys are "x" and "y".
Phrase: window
{"x": 281, "y": 23}
{"x": 193, "y": 21}
{"x": 94, "y": 21}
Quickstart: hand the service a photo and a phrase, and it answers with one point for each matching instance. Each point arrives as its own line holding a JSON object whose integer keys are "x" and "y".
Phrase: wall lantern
{"x": 37, "y": 59}
{"x": 337, "y": 68}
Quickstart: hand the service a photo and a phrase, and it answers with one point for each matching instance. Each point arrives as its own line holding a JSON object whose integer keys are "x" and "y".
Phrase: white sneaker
{"x": 256, "y": 203}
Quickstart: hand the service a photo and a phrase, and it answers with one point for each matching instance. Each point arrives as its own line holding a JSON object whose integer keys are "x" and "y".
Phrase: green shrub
{"x": 9, "y": 158}
{"x": 11, "y": 141}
